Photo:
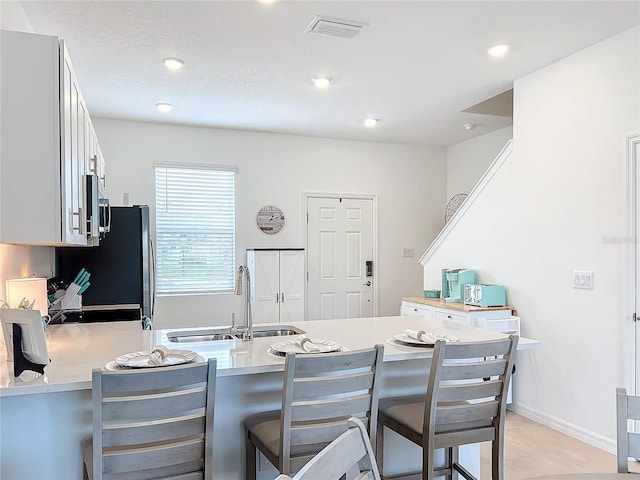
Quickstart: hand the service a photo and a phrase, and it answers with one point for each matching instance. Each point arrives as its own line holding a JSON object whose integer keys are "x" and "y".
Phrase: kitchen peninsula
{"x": 43, "y": 420}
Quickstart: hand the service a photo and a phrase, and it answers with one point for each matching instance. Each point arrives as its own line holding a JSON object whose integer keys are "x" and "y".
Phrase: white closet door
{"x": 291, "y": 286}
{"x": 265, "y": 301}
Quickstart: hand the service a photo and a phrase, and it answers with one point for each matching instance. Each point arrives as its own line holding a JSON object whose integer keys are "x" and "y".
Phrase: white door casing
{"x": 633, "y": 358}
{"x": 340, "y": 240}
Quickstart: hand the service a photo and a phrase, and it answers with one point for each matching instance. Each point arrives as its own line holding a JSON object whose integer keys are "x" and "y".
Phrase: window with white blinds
{"x": 195, "y": 229}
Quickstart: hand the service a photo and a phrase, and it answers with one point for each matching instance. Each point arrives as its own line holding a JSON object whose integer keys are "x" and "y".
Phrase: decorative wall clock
{"x": 270, "y": 219}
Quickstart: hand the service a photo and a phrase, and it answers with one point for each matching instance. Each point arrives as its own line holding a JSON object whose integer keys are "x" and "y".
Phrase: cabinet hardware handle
{"x": 277, "y": 298}
{"x": 282, "y": 297}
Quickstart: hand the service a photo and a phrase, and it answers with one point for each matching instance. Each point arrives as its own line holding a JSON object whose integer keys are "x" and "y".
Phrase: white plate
{"x": 324, "y": 346}
{"x": 404, "y": 339}
{"x": 142, "y": 359}
{"x": 112, "y": 366}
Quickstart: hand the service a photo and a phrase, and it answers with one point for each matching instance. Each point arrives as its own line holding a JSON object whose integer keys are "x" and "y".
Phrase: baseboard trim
{"x": 586, "y": 436}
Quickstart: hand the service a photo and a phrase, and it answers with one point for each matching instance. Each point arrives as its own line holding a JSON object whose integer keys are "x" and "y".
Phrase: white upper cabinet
{"x": 48, "y": 144}
{"x": 277, "y": 285}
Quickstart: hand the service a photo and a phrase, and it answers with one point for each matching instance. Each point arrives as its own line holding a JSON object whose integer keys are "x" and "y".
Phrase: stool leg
{"x": 250, "y": 460}
{"x": 380, "y": 447}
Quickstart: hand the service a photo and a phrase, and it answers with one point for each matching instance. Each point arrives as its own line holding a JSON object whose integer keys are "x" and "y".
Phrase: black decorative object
{"x": 20, "y": 362}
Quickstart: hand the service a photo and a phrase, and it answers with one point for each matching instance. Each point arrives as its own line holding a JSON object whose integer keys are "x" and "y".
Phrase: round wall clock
{"x": 270, "y": 219}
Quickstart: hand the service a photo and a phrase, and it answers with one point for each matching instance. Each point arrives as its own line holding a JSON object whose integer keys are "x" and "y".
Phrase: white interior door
{"x": 265, "y": 290}
{"x": 291, "y": 286}
{"x": 340, "y": 240}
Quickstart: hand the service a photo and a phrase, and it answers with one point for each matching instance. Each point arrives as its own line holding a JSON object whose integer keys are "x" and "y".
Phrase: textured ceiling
{"x": 248, "y": 65}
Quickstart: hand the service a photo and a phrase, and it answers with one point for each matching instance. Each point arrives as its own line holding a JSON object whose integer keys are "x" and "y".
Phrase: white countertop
{"x": 75, "y": 349}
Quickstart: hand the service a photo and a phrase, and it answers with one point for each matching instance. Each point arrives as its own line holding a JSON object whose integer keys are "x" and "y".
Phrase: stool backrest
{"x": 321, "y": 392}
{"x": 350, "y": 456}
{"x": 466, "y": 396}
{"x": 153, "y": 422}
{"x": 628, "y": 443}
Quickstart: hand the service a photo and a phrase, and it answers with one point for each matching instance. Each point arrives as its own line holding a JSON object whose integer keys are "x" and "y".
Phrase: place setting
{"x": 304, "y": 344}
{"x": 160, "y": 356}
{"x": 420, "y": 338}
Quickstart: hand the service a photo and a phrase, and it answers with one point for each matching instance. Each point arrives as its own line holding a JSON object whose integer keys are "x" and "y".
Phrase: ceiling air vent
{"x": 335, "y": 27}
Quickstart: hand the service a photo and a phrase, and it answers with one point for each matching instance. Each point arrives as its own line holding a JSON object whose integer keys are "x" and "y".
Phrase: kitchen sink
{"x": 216, "y": 334}
{"x": 199, "y": 336}
{"x": 273, "y": 332}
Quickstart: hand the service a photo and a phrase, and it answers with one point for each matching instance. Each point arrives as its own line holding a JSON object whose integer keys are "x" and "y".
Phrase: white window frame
{"x": 194, "y": 228}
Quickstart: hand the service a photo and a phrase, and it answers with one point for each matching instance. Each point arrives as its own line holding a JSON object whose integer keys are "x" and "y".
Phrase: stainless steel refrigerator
{"x": 121, "y": 268}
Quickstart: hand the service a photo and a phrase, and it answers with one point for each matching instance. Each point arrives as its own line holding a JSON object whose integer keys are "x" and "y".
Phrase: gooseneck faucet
{"x": 243, "y": 275}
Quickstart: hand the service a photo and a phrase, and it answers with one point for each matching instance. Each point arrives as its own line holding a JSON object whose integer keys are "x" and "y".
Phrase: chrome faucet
{"x": 247, "y": 329}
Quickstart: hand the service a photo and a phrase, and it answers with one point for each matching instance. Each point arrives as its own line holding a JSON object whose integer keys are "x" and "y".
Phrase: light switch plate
{"x": 408, "y": 252}
{"x": 583, "y": 279}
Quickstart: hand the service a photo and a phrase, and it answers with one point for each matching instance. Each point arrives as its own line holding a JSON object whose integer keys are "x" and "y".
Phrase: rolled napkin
{"x": 306, "y": 344}
{"x": 429, "y": 337}
{"x": 156, "y": 357}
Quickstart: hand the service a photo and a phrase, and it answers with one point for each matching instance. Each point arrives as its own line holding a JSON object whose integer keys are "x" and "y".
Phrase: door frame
{"x": 376, "y": 264}
{"x": 631, "y": 329}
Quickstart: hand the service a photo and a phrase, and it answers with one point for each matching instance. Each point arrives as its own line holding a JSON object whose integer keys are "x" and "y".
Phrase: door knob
{"x": 368, "y": 284}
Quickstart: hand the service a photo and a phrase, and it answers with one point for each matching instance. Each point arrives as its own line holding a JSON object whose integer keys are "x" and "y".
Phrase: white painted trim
{"x": 376, "y": 263}
{"x": 632, "y": 347}
{"x": 475, "y": 192}
{"x": 586, "y": 436}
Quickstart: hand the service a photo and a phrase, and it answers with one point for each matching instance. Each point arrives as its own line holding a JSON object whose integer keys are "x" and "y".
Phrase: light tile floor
{"x": 532, "y": 450}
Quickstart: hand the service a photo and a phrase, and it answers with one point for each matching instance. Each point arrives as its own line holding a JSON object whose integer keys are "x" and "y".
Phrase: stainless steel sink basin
{"x": 216, "y": 334}
{"x": 259, "y": 332}
{"x": 199, "y": 336}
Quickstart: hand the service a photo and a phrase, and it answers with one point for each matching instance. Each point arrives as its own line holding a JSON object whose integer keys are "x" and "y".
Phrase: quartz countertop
{"x": 75, "y": 349}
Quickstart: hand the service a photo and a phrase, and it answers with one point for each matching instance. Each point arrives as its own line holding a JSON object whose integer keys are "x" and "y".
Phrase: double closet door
{"x": 277, "y": 285}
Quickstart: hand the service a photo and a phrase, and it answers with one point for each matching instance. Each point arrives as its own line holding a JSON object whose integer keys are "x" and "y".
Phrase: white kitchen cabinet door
{"x": 291, "y": 286}
{"x": 45, "y": 143}
{"x": 277, "y": 285}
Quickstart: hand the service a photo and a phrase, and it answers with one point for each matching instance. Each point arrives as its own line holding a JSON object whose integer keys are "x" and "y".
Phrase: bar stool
{"x": 321, "y": 391}
{"x": 152, "y": 423}
{"x": 465, "y": 403}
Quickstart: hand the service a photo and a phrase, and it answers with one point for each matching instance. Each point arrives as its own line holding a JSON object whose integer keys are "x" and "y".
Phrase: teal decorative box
{"x": 432, "y": 294}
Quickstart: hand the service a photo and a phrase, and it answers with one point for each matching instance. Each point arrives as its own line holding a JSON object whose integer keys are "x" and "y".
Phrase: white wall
{"x": 409, "y": 182}
{"x": 549, "y": 211}
{"x": 467, "y": 161}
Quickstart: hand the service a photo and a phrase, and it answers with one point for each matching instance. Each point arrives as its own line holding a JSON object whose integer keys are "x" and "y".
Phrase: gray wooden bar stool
{"x": 465, "y": 403}
{"x": 321, "y": 391}
{"x": 152, "y": 423}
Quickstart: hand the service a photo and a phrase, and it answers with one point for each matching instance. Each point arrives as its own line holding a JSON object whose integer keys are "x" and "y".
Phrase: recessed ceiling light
{"x": 370, "y": 122}
{"x": 164, "y": 107}
{"x": 322, "y": 82}
{"x": 173, "y": 63}
{"x": 499, "y": 50}
{"x": 470, "y": 126}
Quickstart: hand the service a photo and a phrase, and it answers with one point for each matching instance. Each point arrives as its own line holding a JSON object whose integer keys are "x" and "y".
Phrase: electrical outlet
{"x": 583, "y": 279}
